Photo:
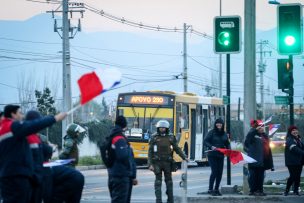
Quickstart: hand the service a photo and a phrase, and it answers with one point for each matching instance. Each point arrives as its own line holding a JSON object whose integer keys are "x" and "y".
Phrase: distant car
{"x": 278, "y": 140}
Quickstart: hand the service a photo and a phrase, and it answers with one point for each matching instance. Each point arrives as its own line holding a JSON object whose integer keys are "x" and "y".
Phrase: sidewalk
{"x": 242, "y": 198}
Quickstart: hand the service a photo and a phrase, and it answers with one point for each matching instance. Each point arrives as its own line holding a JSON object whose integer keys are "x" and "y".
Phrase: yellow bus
{"x": 190, "y": 117}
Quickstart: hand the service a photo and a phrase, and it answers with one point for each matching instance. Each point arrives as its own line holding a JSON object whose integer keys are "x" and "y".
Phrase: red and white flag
{"x": 236, "y": 156}
{"x": 97, "y": 82}
{"x": 273, "y": 128}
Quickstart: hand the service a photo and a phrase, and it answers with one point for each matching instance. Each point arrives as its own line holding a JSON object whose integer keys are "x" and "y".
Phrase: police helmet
{"x": 162, "y": 124}
{"x": 74, "y": 129}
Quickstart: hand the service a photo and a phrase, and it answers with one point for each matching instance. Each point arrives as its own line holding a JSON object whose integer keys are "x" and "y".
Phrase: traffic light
{"x": 227, "y": 34}
{"x": 284, "y": 74}
{"x": 289, "y": 29}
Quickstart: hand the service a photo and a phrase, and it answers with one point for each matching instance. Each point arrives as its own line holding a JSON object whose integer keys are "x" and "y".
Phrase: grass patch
{"x": 89, "y": 160}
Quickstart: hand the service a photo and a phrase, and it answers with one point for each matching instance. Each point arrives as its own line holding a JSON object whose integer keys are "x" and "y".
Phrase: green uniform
{"x": 160, "y": 156}
{"x": 70, "y": 149}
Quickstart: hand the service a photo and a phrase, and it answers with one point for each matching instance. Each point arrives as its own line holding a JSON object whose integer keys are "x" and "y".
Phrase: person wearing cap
{"x": 294, "y": 159}
{"x": 216, "y": 138}
{"x": 74, "y": 137}
{"x": 122, "y": 174}
{"x": 257, "y": 146}
{"x": 16, "y": 168}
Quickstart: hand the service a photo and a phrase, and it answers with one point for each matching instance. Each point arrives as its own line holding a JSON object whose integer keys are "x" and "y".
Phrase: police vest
{"x": 162, "y": 148}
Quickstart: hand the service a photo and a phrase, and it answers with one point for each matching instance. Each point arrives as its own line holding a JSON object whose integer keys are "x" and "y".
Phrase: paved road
{"x": 96, "y": 182}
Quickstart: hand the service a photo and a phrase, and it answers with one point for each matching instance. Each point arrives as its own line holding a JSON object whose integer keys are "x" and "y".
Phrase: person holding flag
{"x": 257, "y": 146}
{"x": 216, "y": 138}
{"x": 16, "y": 168}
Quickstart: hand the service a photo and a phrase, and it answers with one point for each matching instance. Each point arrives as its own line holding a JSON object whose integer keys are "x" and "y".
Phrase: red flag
{"x": 236, "y": 156}
{"x": 95, "y": 83}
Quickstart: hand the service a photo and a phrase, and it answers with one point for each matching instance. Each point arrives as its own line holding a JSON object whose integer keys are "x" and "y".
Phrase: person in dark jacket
{"x": 122, "y": 174}
{"x": 37, "y": 153}
{"x": 257, "y": 146}
{"x": 56, "y": 184}
{"x": 294, "y": 159}
{"x": 216, "y": 138}
{"x": 16, "y": 168}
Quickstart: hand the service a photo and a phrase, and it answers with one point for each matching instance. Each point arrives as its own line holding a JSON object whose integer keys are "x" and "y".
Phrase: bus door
{"x": 199, "y": 134}
{"x": 205, "y": 127}
{"x": 193, "y": 134}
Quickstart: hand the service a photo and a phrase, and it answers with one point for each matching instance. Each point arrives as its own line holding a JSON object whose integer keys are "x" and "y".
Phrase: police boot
{"x": 158, "y": 192}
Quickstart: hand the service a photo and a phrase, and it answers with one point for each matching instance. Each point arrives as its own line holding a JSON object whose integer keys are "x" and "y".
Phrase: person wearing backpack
{"x": 120, "y": 163}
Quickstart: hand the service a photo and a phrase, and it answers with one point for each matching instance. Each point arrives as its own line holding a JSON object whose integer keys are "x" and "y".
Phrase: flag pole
{"x": 74, "y": 109}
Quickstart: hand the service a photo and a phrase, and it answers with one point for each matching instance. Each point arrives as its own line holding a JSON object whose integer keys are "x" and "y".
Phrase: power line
{"x": 125, "y": 51}
{"x": 28, "y": 41}
{"x": 143, "y": 26}
{"x": 161, "y": 63}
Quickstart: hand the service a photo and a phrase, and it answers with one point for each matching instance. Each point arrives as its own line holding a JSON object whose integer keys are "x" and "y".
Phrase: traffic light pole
{"x": 228, "y": 117}
{"x": 291, "y": 91}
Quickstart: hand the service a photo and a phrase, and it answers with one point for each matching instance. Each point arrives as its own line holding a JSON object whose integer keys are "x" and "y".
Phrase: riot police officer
{"x": 160, "y": 158}
{"x": 74, "y": 137}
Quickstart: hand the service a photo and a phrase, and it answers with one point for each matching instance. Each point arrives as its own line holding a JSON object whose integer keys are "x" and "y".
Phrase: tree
{"x": 45, "y": 105}
{"x": 98, "y": 130}
{"x": 237, "y": 131}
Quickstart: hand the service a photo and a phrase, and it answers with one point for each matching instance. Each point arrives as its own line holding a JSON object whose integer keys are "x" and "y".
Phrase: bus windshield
{"x": 142, "y": 120}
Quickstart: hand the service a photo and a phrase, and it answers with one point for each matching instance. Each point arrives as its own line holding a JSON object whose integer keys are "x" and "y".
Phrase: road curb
{"x": 92, "y": 167}
{"x": 242, "y": 198}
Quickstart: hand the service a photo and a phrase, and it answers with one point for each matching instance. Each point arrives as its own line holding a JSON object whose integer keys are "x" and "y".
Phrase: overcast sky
{"x": 171, "y": 13}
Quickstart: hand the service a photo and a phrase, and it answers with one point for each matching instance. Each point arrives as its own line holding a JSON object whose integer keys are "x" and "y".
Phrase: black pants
{"x": 256, "y": 179}
{"x": 217, "y": 166}
{"x": 67, "y": 185}
{"x": 16, "y": 189}
{"x": 120, "y": 189}
{"x": 294, "y": 177}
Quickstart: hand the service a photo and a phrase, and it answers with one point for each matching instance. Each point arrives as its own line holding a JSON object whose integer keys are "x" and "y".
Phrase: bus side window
{"x": 184, "y": 119}
{"x": 199, "y": 119}
{"x": 178, "y": 118}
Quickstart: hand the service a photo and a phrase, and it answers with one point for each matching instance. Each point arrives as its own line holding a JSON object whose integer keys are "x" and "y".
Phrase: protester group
{"x": 25, "y": 177}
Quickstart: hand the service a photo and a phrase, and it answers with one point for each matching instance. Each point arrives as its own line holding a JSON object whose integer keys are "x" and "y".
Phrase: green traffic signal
{"x": 289, "y": 40}
{"x": 227, "y": 34}
{"x": 289, "y": 27}
{"x": 224, "y": 38}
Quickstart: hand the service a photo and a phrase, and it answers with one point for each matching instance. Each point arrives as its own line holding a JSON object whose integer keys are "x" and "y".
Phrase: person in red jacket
{"x": 16, "y": 168}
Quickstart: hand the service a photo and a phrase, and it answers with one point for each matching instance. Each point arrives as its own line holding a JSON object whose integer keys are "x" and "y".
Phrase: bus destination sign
{"x": 146, "y": 99}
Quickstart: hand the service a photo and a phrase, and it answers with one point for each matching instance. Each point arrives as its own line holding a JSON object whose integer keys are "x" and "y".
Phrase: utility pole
{"x": 262, "y": 69}
{"x": 291, "y": 91}
{"x": 185, "y": 74}
{"x": 249, "y": 73}
{"x": 228, "y": 118}
{"x": 66, "y": 66}
{"x": 67, "y": 33}
{"x": 220, "y": 64}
